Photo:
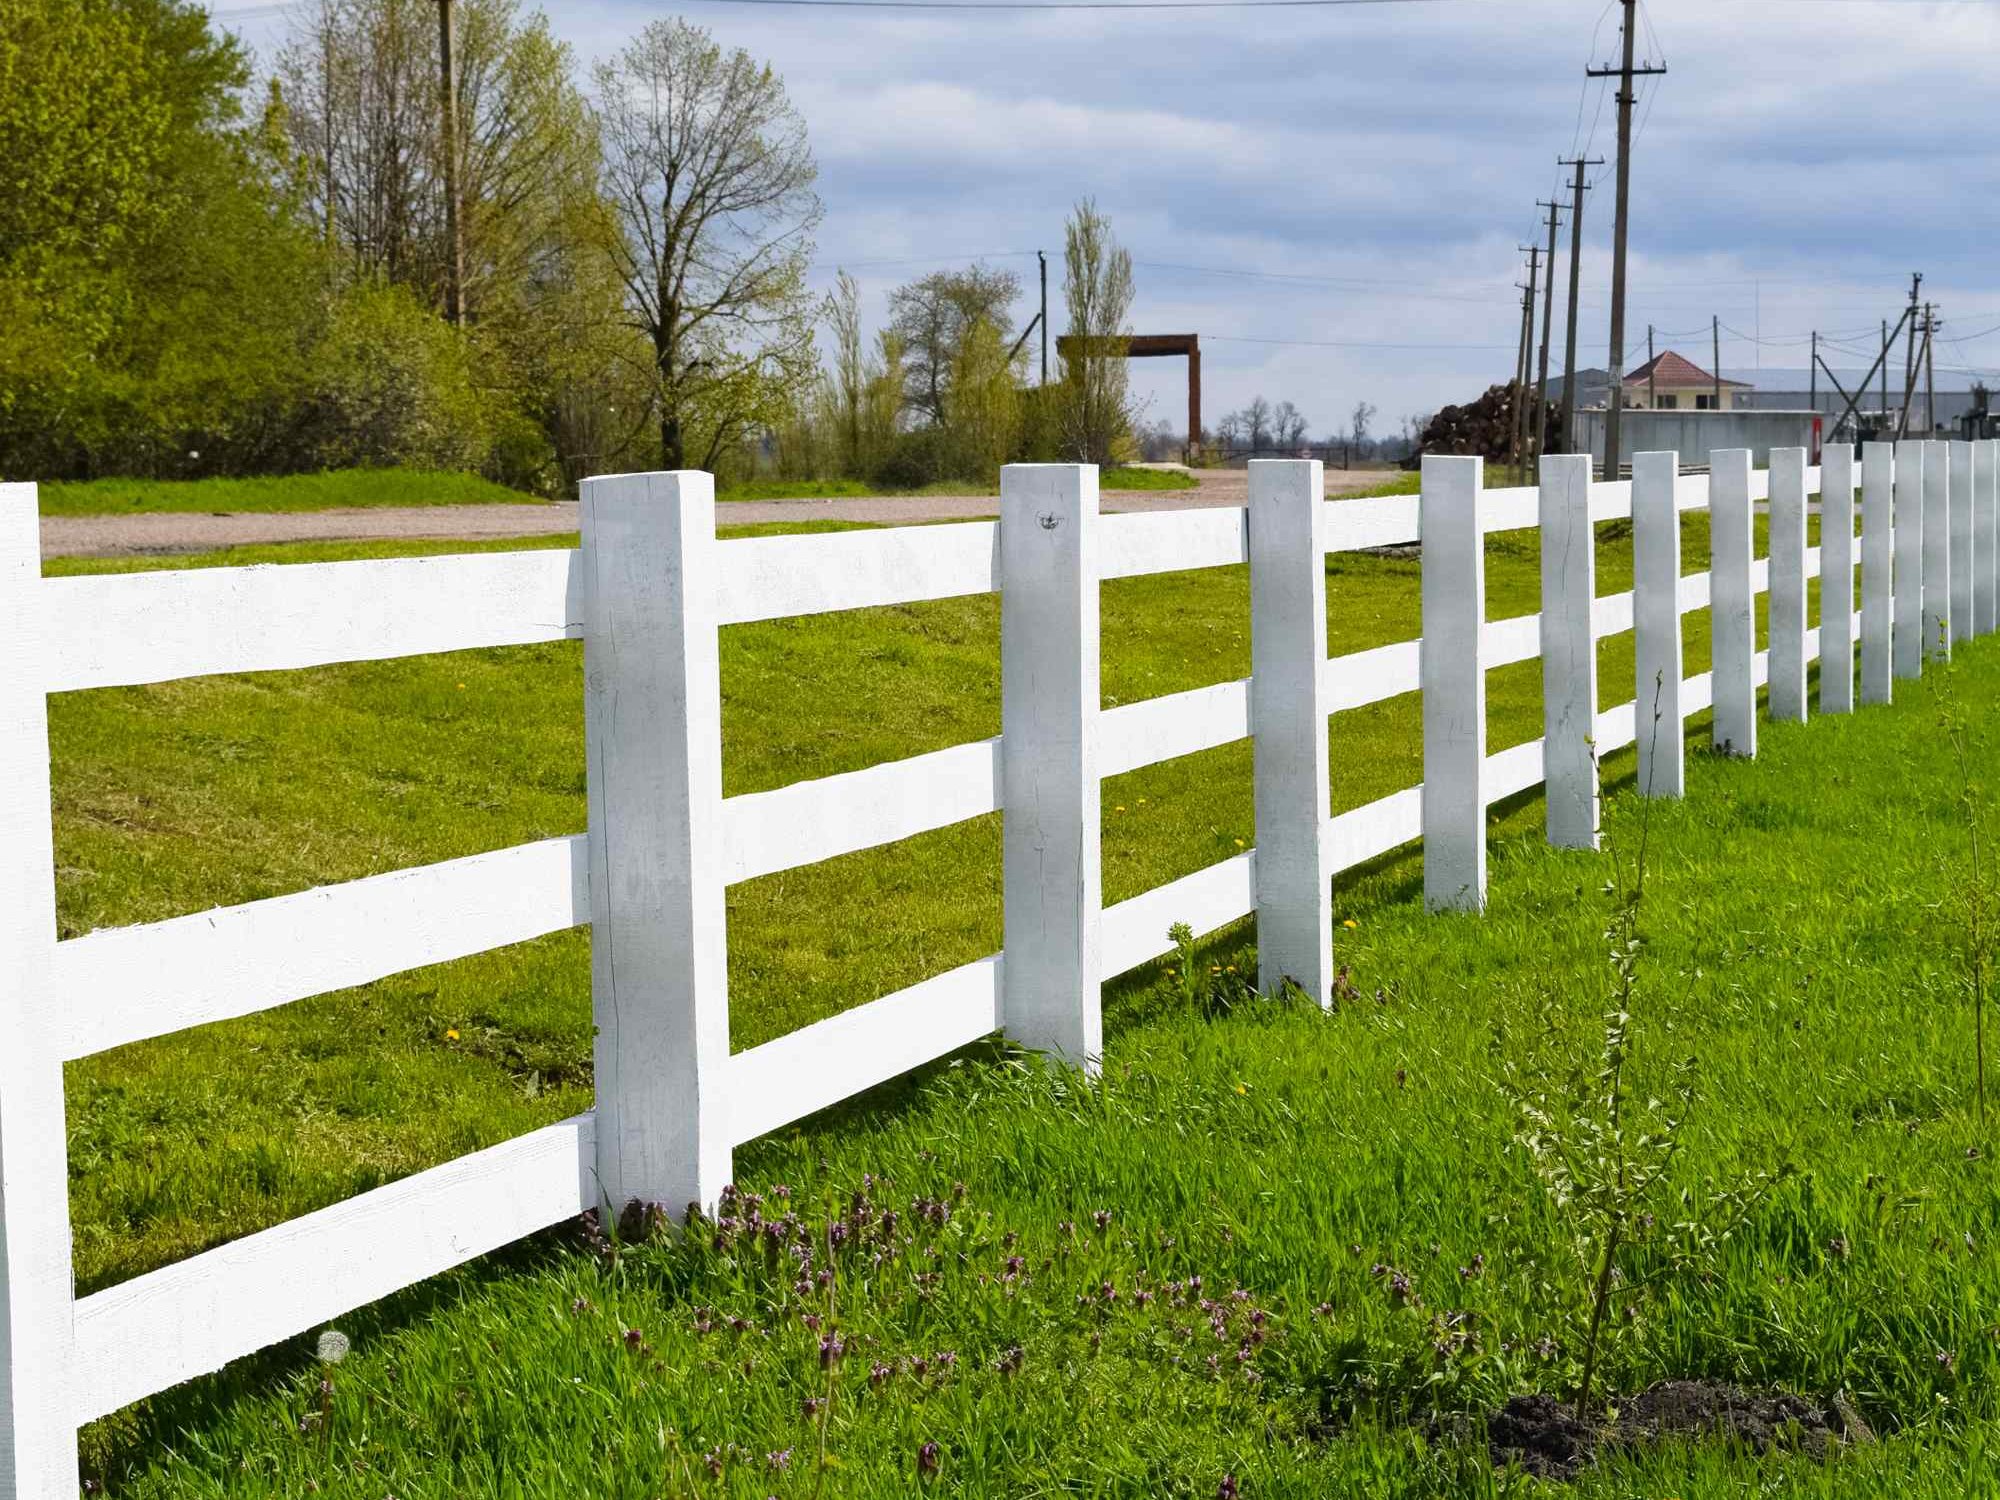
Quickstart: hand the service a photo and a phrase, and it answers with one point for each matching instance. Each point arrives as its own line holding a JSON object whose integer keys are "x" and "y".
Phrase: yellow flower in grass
{"x": 1350, "y": 924}
{"x": 451, "y": 1035}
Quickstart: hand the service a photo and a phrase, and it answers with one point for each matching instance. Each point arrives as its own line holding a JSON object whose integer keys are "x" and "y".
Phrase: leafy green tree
{"x": 149, "y": 278}
{"x": 1096, "y": 404}
{"x": 395, "y": 384}
{"x": 986, "y": 407}
{"x": 934, "y": 316}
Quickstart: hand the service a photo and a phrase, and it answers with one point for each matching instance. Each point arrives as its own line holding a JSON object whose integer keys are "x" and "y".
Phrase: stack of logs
{"x": 1485, "y": 428}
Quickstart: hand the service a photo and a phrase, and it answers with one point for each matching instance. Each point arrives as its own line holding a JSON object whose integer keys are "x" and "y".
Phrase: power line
{"x": 1309, "y": 280}
{"x": 917, "y": 260}
{"x": 1218, "y": 338}
{"x": 254, "y": 11}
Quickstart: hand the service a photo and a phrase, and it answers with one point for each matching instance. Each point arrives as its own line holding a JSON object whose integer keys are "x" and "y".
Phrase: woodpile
{"x": 1484, "y": 428}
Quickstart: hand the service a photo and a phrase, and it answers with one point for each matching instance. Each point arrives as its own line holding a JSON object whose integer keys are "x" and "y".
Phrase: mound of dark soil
{"x": 1546, "y": 1439}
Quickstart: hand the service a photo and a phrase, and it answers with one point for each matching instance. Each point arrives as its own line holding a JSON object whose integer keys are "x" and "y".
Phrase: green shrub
{"x": 394, "y": 385}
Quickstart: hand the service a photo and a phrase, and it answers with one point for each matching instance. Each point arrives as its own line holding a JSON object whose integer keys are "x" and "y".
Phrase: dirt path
{"x": 135, "y": 535}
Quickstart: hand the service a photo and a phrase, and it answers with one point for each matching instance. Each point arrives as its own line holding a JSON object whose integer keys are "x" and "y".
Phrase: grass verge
{"x": 340, "y": 489}
{"x": 1802, "y": 907}
{"x": 856, "y": 489}
{"x": 1018, "y": 1304}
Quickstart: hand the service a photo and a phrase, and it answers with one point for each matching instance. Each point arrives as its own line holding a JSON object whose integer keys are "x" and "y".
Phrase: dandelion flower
{"x": 1119, "y": 808}
{"x": 451, "y": 1035}
{"x": 333, "y": 1347}
{"x": 1239, "y": 843}
{"x": 1350, "y": 924}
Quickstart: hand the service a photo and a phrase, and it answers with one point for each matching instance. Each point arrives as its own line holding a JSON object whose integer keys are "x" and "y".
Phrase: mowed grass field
{"x": 339, "y": 489}
{"x": 344, "y": 489}
{"x": 1119, "y": 478}
{"x": 1803, "y": 949}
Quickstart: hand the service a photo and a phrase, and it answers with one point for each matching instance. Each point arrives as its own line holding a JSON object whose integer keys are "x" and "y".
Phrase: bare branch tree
{"x": 1257, "y": 423}
{"x": 708, "y": 170}
{"x": 1364, "y": 413}
{"x": 1288, "y": 426}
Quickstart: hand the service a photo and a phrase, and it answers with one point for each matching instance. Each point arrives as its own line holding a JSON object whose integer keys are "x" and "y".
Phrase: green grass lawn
{"x": 857, "y": 489}
{"x": 338, "y": 489}
{"x": 1801, "y": 949}
{"x": 1146, "y": 479}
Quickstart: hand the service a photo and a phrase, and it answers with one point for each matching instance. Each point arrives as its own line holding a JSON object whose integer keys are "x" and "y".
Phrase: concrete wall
{"x": 1696, "y": 434}
{"x": 1951, "y": 405}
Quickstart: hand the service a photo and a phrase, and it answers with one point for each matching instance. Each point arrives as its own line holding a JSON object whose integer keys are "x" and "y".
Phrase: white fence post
{"x": 1909, "y": 632}
{"x": 1732, "y": 602}
{"x": 1836, "y": 579}
{"x": 1288, "y": 721}
{"x": 1788, "y": 585}
{"x": 1959, "y": 465}
{"x": 1937, "y": 551}
{"x": 1052, "y": 971}
{"x": 1985, "y": 538}
{"x": 1656, "y": 624}
{"x": 1569, "y": 651}
{"x": 1878, "y": 580}
{"x": 1452, "y": 669}
{"x": 659, "y": 970}
{"x": 37, "y": 1436}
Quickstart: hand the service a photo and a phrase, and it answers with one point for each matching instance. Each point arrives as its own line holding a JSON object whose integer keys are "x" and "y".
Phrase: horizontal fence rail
{"x": 648, "y": 591}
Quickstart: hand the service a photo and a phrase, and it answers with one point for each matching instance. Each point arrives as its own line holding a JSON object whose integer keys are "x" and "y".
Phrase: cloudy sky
{"x": 1332, "y": 197}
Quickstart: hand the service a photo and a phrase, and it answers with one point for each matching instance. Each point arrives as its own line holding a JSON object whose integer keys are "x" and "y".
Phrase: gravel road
{"x": 160, "y": 533}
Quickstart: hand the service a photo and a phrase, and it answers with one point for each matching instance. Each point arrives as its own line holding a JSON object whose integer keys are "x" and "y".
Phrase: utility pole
{"x": 1624, "y": 73}
{"x": 1885, "y": 372}
{"x": 1523, "y": 355}
{"x": 1812, "y": 388}
{"x": 1715, "y": 333}
{"x": 1548, "y": 327}
{"x": 1913, "y": 360}
{"x": 1193, "y": 437}
{"x": 1652, "y": 381}
{"x": 454, "y": 220}
{"x": 1910, "y": 349}
{"x": 1930, "y": 372}
{"x": 1575, "y": 283}
{"x": 328, "y": 127}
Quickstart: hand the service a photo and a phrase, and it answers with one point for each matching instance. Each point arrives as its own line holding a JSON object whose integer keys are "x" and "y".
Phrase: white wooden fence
{"x": 647, "y": 592}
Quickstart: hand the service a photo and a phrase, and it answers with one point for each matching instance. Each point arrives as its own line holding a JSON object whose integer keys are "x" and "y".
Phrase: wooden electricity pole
{"x": 454, "y": 226}
{"x": 1913, "y": 360}
{"x": 1524, "y": 365}
{"x": 1652, "y": 375}
{"x": 1930, "y": 371}
{"x": 1575, "y": 284}
{"x": 1715, "y": 332}
{"x": 1625, "y": 72}
{"x": 1548, "y": 327}
{"x": 1194, "y": 438}
{"x": 1910, "y": 349}
{"x": 1885, "y": 372}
